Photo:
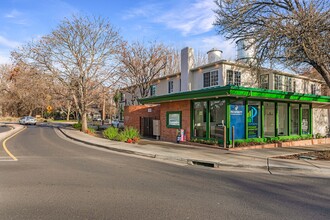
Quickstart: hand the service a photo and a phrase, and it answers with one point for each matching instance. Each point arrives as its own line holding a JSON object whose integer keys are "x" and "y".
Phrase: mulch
{"x": 314, "y": 155}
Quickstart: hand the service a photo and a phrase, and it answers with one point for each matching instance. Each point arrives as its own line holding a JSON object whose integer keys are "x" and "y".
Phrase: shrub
{"x": 77, "y": 126}
{"x": 131, "y": 133}
{"x": 203, "y": 141}
{"x": 91, "y": 130}
{"x": 121, "y": 137}
{"x": 241, "y": 143}
{"x": 128, "y": 133}
{"x": 111, "y": 133}
{"x": 318, "y": 136}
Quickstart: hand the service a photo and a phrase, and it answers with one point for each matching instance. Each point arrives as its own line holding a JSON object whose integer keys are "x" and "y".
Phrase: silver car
{"x": 28, "y": 120}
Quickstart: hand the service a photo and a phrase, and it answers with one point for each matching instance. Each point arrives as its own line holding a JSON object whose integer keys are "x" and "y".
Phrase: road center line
{"x": 5, "y": 147}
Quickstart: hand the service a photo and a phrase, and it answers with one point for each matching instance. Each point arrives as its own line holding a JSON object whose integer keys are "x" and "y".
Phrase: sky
{"x": 176, "y": 23}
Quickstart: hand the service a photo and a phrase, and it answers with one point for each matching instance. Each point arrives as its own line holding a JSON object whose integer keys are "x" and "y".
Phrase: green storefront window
{"x": 254, "y": 119}
{"x": 305, "y": 124}
{"x": 294, "y": 119}
{"x": 269, "y": 119}
{"x": 217, "y": 118}
{"x": 282, "y": 119}
{"x": 200, "y": 109}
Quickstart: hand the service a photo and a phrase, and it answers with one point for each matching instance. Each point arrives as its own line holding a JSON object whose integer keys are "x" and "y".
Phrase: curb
{"x": 109, "y": 148}
{"x": 13, "y": 131}
{"x": 205, "y": 163}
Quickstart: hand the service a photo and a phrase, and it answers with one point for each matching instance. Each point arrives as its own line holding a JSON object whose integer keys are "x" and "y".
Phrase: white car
{"x": 28, "y": 120}
{"x": 117, "y": 124}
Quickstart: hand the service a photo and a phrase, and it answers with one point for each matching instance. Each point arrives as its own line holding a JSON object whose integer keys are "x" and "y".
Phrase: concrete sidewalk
{"x": 14, "y": 129}
{"x": 255, "y": 159}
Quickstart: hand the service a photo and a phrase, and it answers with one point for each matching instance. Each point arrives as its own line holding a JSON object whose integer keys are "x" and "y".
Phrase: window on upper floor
{"x": 264, "y": 81}
{"x": 313, "y": 89}
{"x": 170, "y": 86}
{"x": 233, "y": 78}
{"x": 278, "y": 82}
{"x": 152, "y": 90}
{"x": 288, "y": 84}
{"x": 210, "y": 79}
{"x": 305, "y": 86}
{"x": 294, "y": 85}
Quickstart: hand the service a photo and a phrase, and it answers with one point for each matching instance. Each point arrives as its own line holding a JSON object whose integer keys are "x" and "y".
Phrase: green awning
{"x": 240, "y": 92}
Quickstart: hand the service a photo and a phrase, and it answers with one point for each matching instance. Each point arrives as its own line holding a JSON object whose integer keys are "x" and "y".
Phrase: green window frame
{"x": 169, "y": 124}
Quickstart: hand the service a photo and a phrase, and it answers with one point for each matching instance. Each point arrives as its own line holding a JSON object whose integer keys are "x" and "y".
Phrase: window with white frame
{"x": 264, "y": 81}
{"x": 152, "y": 90}
{"x": 278, "y": 82}
{"x": 170, "y": 86}
{"x": 294, "y": 85}
{"x": 210, "y": 79}
{"x": 233, "y": 78}
{"x": 288, "y": 84}
{"x": 305, "y": 86}
{"x": 313, "y": 89}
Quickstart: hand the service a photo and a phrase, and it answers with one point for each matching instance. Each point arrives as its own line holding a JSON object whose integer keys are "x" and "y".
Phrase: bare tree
{"x": 200, "y": 58}
{"x": 173, "y": 62}
{"x": 293, "y": 32}
{"x": 26, "y": 90}
{"x": 141, "y": 64}
{"x": 4, "y": 85}
{"x": 79, "y": 53}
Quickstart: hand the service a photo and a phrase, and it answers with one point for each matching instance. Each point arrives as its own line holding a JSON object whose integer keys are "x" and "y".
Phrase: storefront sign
{"x": 173, "y": 119}
{"x": 253, "y": 121}
{"x": 237, "y": 119}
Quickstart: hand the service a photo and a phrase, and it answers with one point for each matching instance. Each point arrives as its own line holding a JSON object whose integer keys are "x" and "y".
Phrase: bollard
{"x": 224, "y": 136}
{"x": 233, "y": 136}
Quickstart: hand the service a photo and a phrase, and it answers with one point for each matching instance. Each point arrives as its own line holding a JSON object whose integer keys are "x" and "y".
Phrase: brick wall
{"x": 169, "y": 134}
{"x": 132, "y": 114}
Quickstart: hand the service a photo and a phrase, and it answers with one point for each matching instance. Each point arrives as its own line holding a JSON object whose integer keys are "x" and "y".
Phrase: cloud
{"x": 13, "y": 14}
{"x": 8, "y": 43}
{"x": 196, "y": 18}
{"x": 191, "y": 18}
{"x": 147, "y": 10}
{"x": 16, "y": 17}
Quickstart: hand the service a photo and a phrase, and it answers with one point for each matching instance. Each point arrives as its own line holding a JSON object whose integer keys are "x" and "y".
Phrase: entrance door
{"x": 146, "y": 126}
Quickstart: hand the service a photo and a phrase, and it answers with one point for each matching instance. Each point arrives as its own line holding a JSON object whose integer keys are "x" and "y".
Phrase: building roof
{"x": 240, "y": 92}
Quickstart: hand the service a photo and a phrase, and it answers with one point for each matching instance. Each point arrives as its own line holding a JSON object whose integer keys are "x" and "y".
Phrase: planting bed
{"x": 314, "y": 155}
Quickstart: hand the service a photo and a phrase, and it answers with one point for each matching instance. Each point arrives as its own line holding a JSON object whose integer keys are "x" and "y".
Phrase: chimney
{"x": 187, "y": 63}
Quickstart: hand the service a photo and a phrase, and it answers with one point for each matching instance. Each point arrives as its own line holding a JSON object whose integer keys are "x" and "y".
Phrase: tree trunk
{"x": 325, "y": 73}
{"x": 84, "y": 126}
{"x": 69, "y": 111}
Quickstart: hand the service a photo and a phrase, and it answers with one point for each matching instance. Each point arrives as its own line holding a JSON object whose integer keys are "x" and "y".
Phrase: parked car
{"x": 97, "y": 119}
{"x": 28, "y": 120}
{"x": 117, "y": 123}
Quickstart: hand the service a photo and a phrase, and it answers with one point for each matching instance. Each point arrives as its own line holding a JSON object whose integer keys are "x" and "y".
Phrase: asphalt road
{"x": 59, "y": 179}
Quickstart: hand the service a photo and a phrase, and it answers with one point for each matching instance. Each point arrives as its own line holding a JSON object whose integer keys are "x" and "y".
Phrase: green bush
{"x": 121, "y": 137}
{"x": 77, "y": 126}
{"x": 111, "y": 133}
{"x": 91, "y": 130}
{"x": 204, "y": 141}
{"x": 124, "y": 135}
{"x": 241, "y": 143}
{"x": 131, "y": 133}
